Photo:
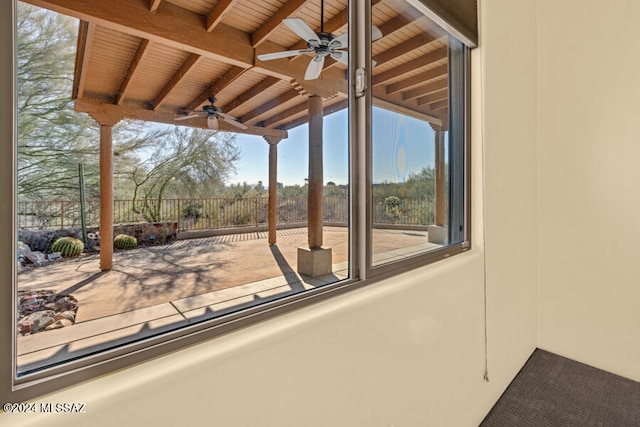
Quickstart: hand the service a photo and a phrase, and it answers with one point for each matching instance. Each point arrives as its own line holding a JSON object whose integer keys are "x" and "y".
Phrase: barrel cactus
{"x": 124, "y": 241}
{"x": 68, "y": 246}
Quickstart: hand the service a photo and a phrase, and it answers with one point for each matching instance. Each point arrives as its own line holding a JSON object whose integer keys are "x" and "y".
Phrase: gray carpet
{"x": 554, "y": 391}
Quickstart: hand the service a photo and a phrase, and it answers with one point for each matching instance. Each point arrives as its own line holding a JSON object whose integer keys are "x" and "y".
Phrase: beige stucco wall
{"x": 406, "y": 352}
{"x": 589, "y": 197}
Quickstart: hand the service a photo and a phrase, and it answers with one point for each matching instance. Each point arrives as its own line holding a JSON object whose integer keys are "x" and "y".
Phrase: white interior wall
{"x": 589, "y": 199}
{"x": 408, "y": 351}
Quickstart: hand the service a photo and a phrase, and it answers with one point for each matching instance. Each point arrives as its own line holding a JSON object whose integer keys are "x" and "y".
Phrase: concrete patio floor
{"x": 155, "y": 289}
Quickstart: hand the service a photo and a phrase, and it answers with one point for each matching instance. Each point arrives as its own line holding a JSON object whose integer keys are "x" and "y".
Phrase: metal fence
{"x": 218, "y": 213}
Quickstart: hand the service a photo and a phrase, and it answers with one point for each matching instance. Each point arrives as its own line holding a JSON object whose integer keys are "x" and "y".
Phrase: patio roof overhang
{"x": 152, "y": 60}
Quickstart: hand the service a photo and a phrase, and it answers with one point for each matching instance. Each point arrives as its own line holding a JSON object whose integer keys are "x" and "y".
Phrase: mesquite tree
{"x": 150, "y": 161}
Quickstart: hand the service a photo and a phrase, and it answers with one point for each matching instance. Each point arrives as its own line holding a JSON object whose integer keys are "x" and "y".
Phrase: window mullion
{"x": 360, "y": 134}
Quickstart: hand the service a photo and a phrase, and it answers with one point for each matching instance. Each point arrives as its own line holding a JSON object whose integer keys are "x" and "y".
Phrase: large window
{"x": 416, "y": 192}
{"x": 173, "y": 184}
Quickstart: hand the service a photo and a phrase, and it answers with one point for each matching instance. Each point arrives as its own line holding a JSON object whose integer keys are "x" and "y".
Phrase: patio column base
{"x": 438, "y": 234}
{"x": 314, "y": 262}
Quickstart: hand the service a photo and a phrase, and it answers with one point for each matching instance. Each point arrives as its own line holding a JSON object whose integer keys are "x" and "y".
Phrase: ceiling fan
{"x": 322, "y": 44}
{"x": 213, "y": 113}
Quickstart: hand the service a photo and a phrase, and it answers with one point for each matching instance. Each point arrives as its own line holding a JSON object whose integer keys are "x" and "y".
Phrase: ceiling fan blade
{"x": 191, "y": 116}
{"x": 222, "y": 115}
{"x": 340, "y": 41}
{"x": 375, "y": 33}
{"x": 212, "y": 122}
{"x": 340, "y": 56}
{"x": 232, "y": 121}
{"x": 301, "y": 28}
{"x": 284, "y": 54}
{"x": 315, "y": 68}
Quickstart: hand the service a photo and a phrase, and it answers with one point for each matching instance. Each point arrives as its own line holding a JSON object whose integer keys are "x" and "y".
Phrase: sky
{"x": 401, "y": 145}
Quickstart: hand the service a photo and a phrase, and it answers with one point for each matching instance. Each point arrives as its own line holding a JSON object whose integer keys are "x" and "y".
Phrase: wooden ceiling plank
{"x": 285, "y": 115}
{"x": 143, "y": 50}
{"x": 86, "y": 33}
{"x": 218, "y": 12}
{"x": 218, "y": 86}
{"x": 394, "y": 24}
{"x": 417, "y": 79}
{"x": 425, "y": 90}
{"x": 434, "y": 97}
{"x": 423, "y": 61}
{"x": 269, "y": 105}
{"x": 185, "y": 68}
{"x": 250, "y": 94}
{"x": 170, "y": 25}
{"x": 404, "y": 48}
{"x": 114, "y": 113}
{"x": 153, "y": 5}
{"x": 289, "y": 8}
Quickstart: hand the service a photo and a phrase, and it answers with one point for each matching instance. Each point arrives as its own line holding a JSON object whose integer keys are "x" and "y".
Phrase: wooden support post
{"x": 314, "y": 201}
{"x": 107, "y": 118}
{"x": 441, "y": 203}
{"x": 106, "y": 198}
{"x": 315, "y": 261}
{"x": 273, "y": 191}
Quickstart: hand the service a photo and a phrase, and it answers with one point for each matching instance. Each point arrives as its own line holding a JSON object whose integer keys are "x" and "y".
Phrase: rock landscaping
{"x": 44, "y": 310}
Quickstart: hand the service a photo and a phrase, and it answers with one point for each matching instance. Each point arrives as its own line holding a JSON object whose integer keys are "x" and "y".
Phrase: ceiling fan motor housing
{"x": 322, "y": 48}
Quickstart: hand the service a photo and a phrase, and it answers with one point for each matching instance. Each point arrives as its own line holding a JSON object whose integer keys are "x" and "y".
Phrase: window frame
{"x": 462, "y": 126}
{"x": 362, "y": 274}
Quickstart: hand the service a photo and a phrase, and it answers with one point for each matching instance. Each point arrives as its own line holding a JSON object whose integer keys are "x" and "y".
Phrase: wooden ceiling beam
{"x": 407, "y": 67}
{"x": 110, "y": 113}
{"x": 86, "y": 33}
{"x": 222, "y": 82}
{"x": 408, "y": 108}
{"x": 288, "y": 9}
{"x": 408, "y": 16}
{"x": 439, "y": 105}
{"x": 250, "y": 94}
{"x": 417, "y": 79}
{"x": 269, "y": 105}
{"x": 434, "y": 97}
{"x": 410, "y": 112}
{"x": 218, "y": 12}
{"x": 394, "y": 24}
{"x": 426, "y": 89}
{"x": 185, "y": 68}
{"x": 134, "y": 67}
{"x": 404, "y": 48}
{"x": 153, "y": 5}
{"x": 170, "y": 25}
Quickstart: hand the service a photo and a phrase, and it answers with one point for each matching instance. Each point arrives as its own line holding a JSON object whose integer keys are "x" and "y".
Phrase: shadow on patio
{"x": 155, "y": 289}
